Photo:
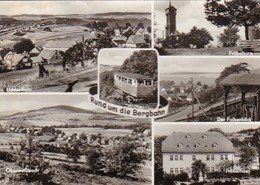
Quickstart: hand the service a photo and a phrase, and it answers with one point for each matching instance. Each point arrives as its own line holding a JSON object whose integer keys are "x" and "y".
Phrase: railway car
{"x": 135, "y": 85}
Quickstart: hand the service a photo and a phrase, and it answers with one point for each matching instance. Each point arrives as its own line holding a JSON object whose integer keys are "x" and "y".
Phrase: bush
{"x": 219, "y": 175}
{"x": 5, "y": 156}
{"x": 255, "y": 173}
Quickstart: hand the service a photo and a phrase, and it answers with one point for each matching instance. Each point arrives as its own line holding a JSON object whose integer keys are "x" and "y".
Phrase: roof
{"x": 136, "y": 39}
{"x": 47, "y": 54}
{"x": 176, "y": 33}
{"x": 241, "y": 79}
{"x": 134, "y": 76}
{"x": 17, "y": 58}
{"x": 119, "y": 38}
{"x": 197, "y": 142}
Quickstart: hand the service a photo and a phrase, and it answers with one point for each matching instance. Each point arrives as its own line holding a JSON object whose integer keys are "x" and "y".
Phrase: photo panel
{"x": 206, "y": 153}
{"x": 206, "y": 28}
{"x": 63, "y": 139}
{"x": 205, "y": 89}
{"x": 53, "y": 46}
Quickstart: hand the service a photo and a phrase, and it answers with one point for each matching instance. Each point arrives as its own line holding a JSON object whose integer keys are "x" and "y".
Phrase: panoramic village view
{"x": 209, "y": 154}
{"x": 207, "y": 27}
{"x": 56, "y": 48}
{"x": 227, "y": 89}
{"x": 45, "y": 142}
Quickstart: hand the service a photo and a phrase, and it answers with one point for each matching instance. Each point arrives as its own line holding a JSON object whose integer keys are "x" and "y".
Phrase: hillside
{"x": 64, "y": 115}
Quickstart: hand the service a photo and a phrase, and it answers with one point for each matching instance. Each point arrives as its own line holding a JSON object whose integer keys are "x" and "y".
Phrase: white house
{"x": 181, "y": 149}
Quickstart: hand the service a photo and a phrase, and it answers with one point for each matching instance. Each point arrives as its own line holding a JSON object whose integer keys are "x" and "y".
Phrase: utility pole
{"x": 192, "y": 93}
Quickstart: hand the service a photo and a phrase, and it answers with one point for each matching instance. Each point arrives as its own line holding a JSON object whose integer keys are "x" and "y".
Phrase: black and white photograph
{"x": 52, "y": 46}
{"x": 223, "y": 89}
{"x": 63, "y": 140}
{"x": 207, "y": 27}
{"x": 129, "y": 77}
{"x": 206, "y": 154}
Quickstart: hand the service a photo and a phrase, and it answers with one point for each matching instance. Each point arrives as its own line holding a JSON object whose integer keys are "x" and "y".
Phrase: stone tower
{"x": 170, "y": 20}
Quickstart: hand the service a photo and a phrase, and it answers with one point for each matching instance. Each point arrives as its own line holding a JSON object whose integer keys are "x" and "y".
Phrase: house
{"x": 135, "y": 41}
{"x": 119, "y": 41}
{"x": 51, "y": 56}
{"x": 181, "y": 149}
{"x": 36, "y": 51}
{"x": 14, "y": 60}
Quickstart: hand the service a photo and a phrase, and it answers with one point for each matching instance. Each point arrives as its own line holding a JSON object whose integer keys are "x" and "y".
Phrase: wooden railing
{"x": 250, "y": 45}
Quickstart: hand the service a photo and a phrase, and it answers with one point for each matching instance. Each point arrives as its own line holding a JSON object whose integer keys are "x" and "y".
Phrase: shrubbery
{"x": 219, "y": 175}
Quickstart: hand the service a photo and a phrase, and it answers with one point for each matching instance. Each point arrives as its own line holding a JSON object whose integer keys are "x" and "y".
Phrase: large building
{"x": 170, "y": 28}
{"x": 181, "y": 149}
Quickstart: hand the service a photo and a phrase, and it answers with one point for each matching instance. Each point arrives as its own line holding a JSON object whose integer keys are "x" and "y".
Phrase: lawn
{"x": 202, "y": 51}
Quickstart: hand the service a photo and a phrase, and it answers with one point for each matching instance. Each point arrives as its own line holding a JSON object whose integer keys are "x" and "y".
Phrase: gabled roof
{"x": 47, "y": 54}
{"x": 176, "y": 33}
{"x": 197, "y": 142}
{"x": 241, "y": 79}
{"x": 17, "y": 58}
{"x": 136, "y": 39}
{"x": 134, "y": 76}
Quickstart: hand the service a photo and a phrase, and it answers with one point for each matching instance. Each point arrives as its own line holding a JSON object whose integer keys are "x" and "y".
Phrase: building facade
{"x": 180, "y": 150}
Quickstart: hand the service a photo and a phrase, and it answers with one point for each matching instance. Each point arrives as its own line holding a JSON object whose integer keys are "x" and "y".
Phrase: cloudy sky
{"x": 114, "y": 56}
{"x": 161, "y": 129}
{"x": 189, "y": 13}
{"x": 72, "y": 7}
{"x": 205, "y": 64}
{"x": 25, "y": 102}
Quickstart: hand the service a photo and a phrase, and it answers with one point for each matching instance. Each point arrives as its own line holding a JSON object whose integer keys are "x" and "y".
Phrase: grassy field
{"x": 203, "y": 51}
{"x": 56, "y": 82}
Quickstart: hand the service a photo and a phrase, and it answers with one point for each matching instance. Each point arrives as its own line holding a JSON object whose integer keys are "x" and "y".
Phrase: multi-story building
{"x": 181, "y": 149}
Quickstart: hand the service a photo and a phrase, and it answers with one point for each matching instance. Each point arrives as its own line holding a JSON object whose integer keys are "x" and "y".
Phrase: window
{"x": 194, "y": 157}
{"x": 215, "y": 145}
{"x": 197, "y": 145}
{"x": 176, "y": 170}
{"x": 187, "y": 136}
{"x": 180, "y": 145}
{"x": 181, "y": 157}
{"x": 212, "y": 169}
{"x": 204, "y": 136}
{"x": 176, "y": 157}
{"x": 226, "y": 157}
{"x": 181, "y": 170}
{"x": 221, "y": 157}
{"x": 208, "y": 169}
{"x": 171, "y": 157}
{"x": 212, "y": 157}
{"x": 171, "y": 170}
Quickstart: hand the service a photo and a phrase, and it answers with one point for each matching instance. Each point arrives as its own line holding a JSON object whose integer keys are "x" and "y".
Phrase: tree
{"x": 199, "y": 83}
{"x": 233, "y": 12}
{"x": 233, "y": 69}
{"x": 199, "y": 37}
{"x": 30, "y": 156}
{"x": 255, "y": 32}
{"x": 141, "y": 62}
{"x": 24, "y": 45}
{"x": 230, "y": 37}
{"x": 198, "y": 167}
{"x": 247, "y": 156}
{"x": 140, "y": 25}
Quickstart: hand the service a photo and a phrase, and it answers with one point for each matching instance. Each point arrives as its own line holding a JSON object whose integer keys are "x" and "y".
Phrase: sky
{"x": 72, "y": 7}
{"x": 189, "y": 13}
{"x": 25, "y": 102}
{"x": 161, "y": 129}
{"x": 205, "y": 64}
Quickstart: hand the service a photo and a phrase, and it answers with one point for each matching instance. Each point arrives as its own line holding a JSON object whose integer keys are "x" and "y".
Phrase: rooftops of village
{"x": 197, "y": 142}
{"x": 134, "y": 76}
{"x": 241, "y": 79}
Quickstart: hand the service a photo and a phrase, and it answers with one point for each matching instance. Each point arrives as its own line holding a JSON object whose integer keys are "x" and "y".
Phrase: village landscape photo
{"x": 221, "y": 89}
{"x": 131, "y": 79}
{"x": 53, "y": 46}
{"x": 206, "y": 154}
{"x": 62, "y": 139}
{"x": 207, "y": 27}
